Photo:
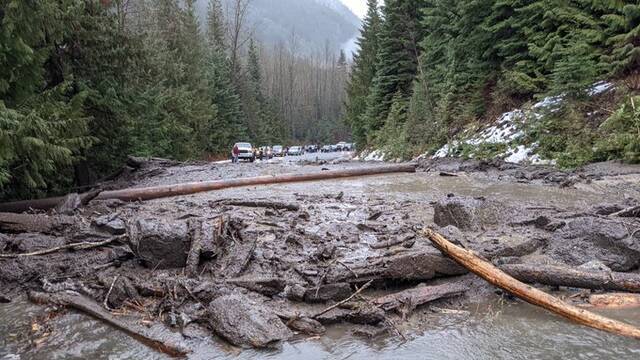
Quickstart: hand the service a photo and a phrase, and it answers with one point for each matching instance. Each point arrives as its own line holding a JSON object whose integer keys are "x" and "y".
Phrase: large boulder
{"x": 246, "y": 323}
{"x": 614, "y": 243}
{"x": 159, "y": 243}
{"x": 467, "y": 213}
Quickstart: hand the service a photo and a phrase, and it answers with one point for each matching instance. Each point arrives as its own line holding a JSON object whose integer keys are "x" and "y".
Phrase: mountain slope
{"x": 313, "y": 24}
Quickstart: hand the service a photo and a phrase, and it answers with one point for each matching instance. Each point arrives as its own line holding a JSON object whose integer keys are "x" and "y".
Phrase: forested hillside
{"x": 429, "y": 69}
{"x": 309, "y": 25}
{"x": 84, "y": 83}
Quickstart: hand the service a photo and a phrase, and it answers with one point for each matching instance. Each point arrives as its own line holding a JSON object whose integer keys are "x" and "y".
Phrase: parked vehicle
{"x": 333, "y": 148}
{"x": 277, "y": 150}
{"x": 348, "y": 147}
{"x": 311, "y": 148}
{"x": 295, "y": 151}
{"x": 245, "y": 151}
{"x": 264, "y": 153}
{"x": 341, "y": 146}
{"x": 325, "y": 148}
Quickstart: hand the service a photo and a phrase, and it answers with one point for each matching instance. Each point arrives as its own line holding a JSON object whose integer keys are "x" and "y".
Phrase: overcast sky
{"x": 359, "y": 7}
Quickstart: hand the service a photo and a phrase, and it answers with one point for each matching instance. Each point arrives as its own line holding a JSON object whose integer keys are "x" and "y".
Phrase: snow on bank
{"x": 375, "y": 155}
{"x": 509, "y": 130}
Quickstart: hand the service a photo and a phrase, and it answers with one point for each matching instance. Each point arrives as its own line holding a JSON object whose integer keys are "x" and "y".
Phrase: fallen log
{"x": 19, "y": 223}
{"x": 93, "y": 309}
{"x": 155, "y": 192}
{"x": 530, "y": 294}
{"x": 633, "y": 211}
{"x": 419, "y": 295}
{"x": 192, "y": 188}
{"x": 43, "y": 204}
{"x": 615, "y": 300}
{"x": 74, "y": 246}
{"x": 571, "y": 277}
{"x": 193, "y": 258}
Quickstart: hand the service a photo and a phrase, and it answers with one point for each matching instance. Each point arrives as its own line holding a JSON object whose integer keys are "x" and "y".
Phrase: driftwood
{"x": 571, "y": 277}
{"x": 193, "y": 258}
{"x": 339, "y": 303}
{"x": 633, "y": 211}
{"x": 530, "y": 294}
{"x": 260, "y": 204}
{"x": 418, "y": 296}
{"x": 192, "y": 188}
{"x": 615, "y": 300}
{"x": 74, "y": 246}
{"x": 18, "y": 223}
{"x": 93, "y": 309}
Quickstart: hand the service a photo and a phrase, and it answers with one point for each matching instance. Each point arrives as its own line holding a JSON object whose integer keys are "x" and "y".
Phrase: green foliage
{"x": 362, "y": 73}
{"x": 622, "y": 133}
{"x": 479, "y": 58}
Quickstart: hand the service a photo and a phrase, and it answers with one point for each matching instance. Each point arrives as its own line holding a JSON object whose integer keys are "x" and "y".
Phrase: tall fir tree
{"x": 363, "y": 71}
{"x": 396, "y": 59}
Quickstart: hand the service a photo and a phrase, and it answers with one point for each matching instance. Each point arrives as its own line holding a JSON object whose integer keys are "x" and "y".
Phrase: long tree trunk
{"x": 530, "y": 294}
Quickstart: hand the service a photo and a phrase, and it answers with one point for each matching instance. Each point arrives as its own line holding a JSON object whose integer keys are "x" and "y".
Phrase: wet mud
{"x": 262, "y": 267}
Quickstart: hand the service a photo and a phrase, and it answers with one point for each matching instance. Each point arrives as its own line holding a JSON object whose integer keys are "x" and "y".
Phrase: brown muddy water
{"x": 494, "y": 330}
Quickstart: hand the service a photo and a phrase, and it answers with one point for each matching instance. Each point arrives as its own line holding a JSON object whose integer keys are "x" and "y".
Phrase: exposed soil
{"x": 258, "y": 266}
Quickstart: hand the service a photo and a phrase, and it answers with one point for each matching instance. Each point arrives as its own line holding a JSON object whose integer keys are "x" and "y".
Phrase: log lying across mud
{"x": 526, "y": 292}
{"x": 564, "y": 276}
{"x": 161, "y": 191}
{"x": 192, "y": 188}
{"x": 93, "y": 309}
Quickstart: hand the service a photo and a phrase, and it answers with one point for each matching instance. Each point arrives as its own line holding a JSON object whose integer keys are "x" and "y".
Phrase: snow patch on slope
{"x": 509, "y": 130}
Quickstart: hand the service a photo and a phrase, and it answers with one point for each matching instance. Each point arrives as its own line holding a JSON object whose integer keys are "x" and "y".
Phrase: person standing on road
{"x": 236, "y": 153}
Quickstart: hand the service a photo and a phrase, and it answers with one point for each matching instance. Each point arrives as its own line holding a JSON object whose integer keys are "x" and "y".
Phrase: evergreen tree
{"x": 229, "y": 126}
{"x": 42, "y": 126}
{"x": 396, "y": 60}
{"x": 362, "y": 73}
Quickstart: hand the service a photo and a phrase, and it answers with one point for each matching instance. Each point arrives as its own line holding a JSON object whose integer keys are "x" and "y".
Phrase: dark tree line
{"x": 428, "y": 68}
{"x": 84, "y": 83}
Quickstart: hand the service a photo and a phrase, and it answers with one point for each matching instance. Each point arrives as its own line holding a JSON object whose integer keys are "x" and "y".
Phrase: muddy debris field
{"x": 257, "y": 268}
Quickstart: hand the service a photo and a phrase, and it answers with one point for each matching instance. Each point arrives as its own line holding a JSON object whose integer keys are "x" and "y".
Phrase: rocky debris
{"x": 267, "y": 286}
{"x": 238, "y": 254}
{"x": 119, "y": 290}
{"x": 306, "y": 325}
{"x": 323, "y": 293}
{"x": 160, "y": 244}
{"x": 69, "y": 204}
{"x": 415, "y": 265}
{"x": 111, "y": 224}
{"x": 245, "y": 323}
{"x": 468, "y": 213}
{"x": 612, "y": 242}
{"x": 363, "y": 314}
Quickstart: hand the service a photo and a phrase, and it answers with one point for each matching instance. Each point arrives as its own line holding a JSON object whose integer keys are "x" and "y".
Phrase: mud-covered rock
{"x": 69, "y": 204}
{"x": 421, "y": 265}
{"x": 265, "y": 285}
{"x": 363, "y": 315}
{"x": 160, "y": 244}
{"x": 337, "y": 291}
{"x": 110, "y": 223}
{"x": 467, "y": 213}
{"x": 306, "y": 325}
{"x": 295, "y": 292}
{"x": 246, "y": 323}
{"x": 614, "y": 243}
{"x": 122, "y": 290}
